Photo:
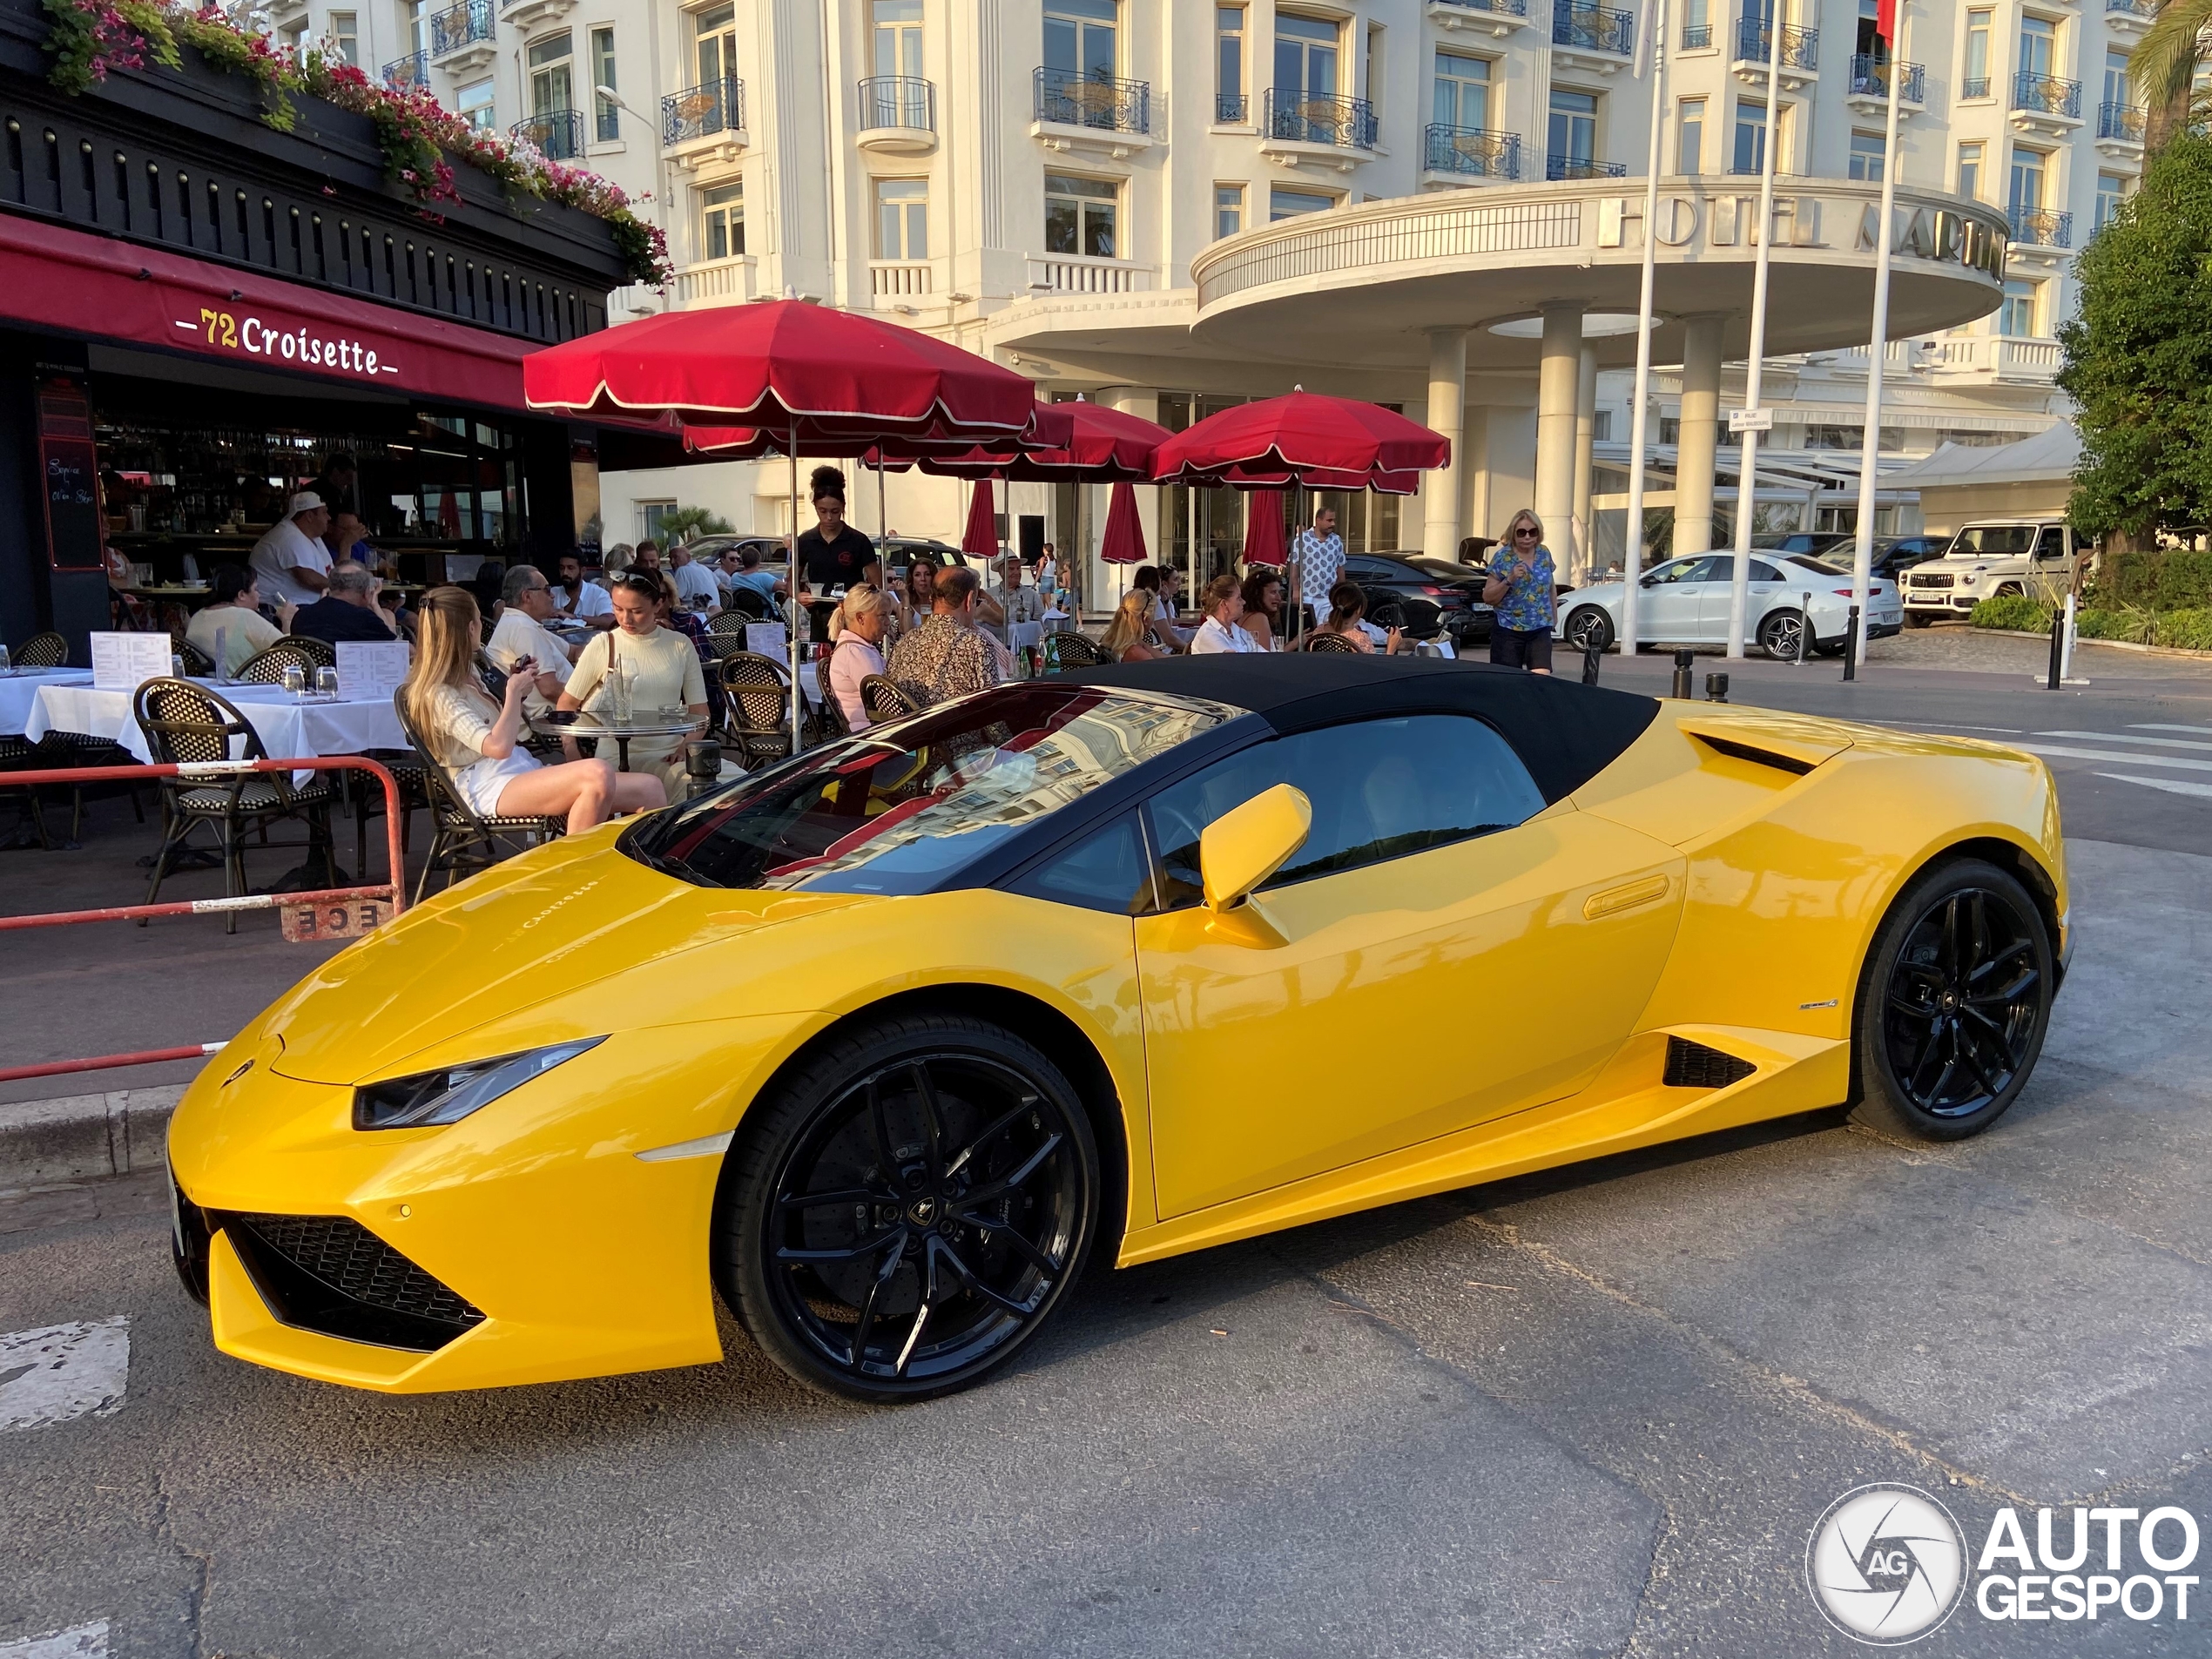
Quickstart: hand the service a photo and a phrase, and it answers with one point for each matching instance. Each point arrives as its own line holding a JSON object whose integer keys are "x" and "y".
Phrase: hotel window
{"x": 1866, "y": 157}
{"x": 552, "y": 79}
{"x": 2039, "y": 47}
{"x": 714, "y": 46}
{"x": 1751, "y": 137}
{"x": 2117, "y": 88}
{"x": 722, "y": 215}
{"x": 652, "y": 520}
{"x": 1697, "y": 24}
{"x": 1081, "y": 216}
{"x": 1690, "y": 137}
{"x": 1080, "y": 39}
{"x": 2021, "y": 311}
{"x": 295, "y": 38}
{"x": 898, "y": 37}
{"x": 1228, "y": 210}
{"x": 1462, "y": 91}
{"x": 1970, "y": 158}
{"x": 1229, "y": 64}
{"x": 1306, "y": 51}
{"x": 2031, "y": 173}
{"x": 1290, "y": 204}
{"x": 606, "y": 120}
{"x": 1572, "y": 138}
{"x": 418, "y": 25}
{"x": 474, "y": 105}
{"x": 1975, "y": 82}
{"x": 902, "y": 219}
{"x": 346, "y": 35}
{"x": 2112, "y": 190}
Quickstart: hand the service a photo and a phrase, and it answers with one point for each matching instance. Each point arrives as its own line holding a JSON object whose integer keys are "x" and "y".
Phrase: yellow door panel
{"x": 1410, "y": 998}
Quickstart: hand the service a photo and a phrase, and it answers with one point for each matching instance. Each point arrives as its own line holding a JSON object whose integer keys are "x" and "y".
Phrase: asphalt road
{"x": 1591, "y": 1413}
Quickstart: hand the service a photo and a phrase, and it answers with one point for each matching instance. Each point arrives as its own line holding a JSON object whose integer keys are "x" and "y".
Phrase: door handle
{"x": 1644, "y": 890}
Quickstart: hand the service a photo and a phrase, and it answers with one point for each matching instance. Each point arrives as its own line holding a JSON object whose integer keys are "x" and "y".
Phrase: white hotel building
{"x": 1101, "y": 193}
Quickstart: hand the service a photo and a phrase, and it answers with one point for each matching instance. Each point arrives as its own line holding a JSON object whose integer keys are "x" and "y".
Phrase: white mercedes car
{"x": 1685, "y": 602}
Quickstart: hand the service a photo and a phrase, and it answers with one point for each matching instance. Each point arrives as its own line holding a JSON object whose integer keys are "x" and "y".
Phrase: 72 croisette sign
{"x": 247, "y": 334}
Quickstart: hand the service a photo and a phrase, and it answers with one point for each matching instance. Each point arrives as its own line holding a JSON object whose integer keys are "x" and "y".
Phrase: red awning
{"x": 51, "y": 278}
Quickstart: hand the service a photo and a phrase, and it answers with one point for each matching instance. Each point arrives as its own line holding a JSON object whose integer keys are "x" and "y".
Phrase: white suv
{"x": 2034, "y": 556}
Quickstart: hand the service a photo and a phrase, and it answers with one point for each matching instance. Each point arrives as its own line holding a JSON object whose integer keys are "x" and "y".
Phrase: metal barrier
{"x": 328, "y": 914}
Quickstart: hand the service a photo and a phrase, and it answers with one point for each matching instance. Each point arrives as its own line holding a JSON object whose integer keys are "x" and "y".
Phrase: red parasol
{"x": 981, "y": 535}
{"x": 1104, "y": 446}
{"x": 1264, "y": 541}
{"x": 1303, "y": 438}
{"x": 1123, "y": 542}
{"x": 784, "y": 364}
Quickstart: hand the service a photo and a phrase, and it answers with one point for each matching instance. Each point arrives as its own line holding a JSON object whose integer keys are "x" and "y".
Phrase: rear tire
{"x": 907, "y": 1208}
{"x": 1589, "y": 625}
{"x": 1781, "y": 633}
{"x": 1955, "y": 1003}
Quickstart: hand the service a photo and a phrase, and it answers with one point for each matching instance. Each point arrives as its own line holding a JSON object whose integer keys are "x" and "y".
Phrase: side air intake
{"x": 1692, "y": 1065}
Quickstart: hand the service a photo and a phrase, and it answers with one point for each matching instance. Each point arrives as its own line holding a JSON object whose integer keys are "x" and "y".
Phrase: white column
{"x": 1475, "y": 505}
{"x": 1585, "y": 438}
{"x": 1447, "y": 392}
{"x": 1699, "y": 435}
{"x": 1558, "y": 378}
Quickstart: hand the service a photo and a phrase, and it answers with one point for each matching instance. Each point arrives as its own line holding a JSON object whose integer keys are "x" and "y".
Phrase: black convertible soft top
{"x": 1565, "y": 732}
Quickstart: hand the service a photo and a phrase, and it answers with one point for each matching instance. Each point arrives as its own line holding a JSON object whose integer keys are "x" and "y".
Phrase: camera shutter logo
{"x": 1886, "y": 1564}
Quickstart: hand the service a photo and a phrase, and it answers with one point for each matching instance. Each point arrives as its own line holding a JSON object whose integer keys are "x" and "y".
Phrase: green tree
{"x": 687, "y": 523}
{"x": 2138, "y": 355}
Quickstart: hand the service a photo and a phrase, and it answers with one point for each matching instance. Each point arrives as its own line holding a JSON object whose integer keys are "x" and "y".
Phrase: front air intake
{"x": 1692, "y": 1065}
{"x": 331, "y": 1274}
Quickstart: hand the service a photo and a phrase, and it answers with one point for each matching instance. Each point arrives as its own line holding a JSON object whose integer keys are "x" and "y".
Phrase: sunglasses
{"x": 1526, "y": 530}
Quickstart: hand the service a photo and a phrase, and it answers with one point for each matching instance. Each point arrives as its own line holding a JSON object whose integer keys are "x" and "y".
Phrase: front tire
{"x": 1955, "y": 1004}
{"x": 908, "y": 1210}
{"x": 1589, "y": 625}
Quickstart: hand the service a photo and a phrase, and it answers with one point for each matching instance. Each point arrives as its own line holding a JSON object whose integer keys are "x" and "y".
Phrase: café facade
{"x": 196, "y": 311}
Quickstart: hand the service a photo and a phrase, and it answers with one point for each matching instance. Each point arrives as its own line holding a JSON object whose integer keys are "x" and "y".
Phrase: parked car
{"x": 1685, "y": 602}
{"x": 1987, "y": 561}
{"x": 708, "y": 548}
{"x": 1816, "y": 542}
{"x": 1841, "y": 547}
{"x": 1433, "y": 595}
{"x": 1892, "y": 558}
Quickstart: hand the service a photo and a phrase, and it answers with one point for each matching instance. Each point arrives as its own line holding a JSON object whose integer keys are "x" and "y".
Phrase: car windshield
{"x": 898, "y": 810}
{"x": 1992, "y": 538}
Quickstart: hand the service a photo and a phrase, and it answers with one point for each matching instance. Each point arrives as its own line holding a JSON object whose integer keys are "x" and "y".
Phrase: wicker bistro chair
{"x": 293, "y": 651}
{"x": 833, "y": 715}
{"x": 184, "y": 722}
{"x": 1072, "y": 650}
{"x": 197, "y": 663}
{"x": 464, "y": 841}
{"x": 41, "y": 650}
{"x": 1331, "y": 642}
{"x": 759, "y": 708}
{"x": 58, "y": 750}
{"x": 886, "y": 699}
{"x": 746, "y": 605}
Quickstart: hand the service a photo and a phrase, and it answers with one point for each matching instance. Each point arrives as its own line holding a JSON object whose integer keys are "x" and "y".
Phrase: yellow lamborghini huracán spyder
{"x": 877, "y": 1043}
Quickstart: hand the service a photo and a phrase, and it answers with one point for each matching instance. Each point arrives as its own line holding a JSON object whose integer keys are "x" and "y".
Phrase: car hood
{"x": 540, "y": 927}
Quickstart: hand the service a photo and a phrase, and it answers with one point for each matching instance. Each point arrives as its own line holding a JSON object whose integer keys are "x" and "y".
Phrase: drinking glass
{"x": 295, "y": 680}
{"x": 327, "y": 683}
{"x": 5, "y": 666}
{"x": 618, "y": 691}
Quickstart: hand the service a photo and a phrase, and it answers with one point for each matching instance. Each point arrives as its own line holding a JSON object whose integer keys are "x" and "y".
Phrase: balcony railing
{"x": 1557, "y": 167}
{"x": 1232, "y": 109}
{"x": 2143, "y": 9}
{"x": 1870, "y": 77}
{"x": 700, "y": 112}
{"x": 891, "y": 279}
{"x": 557, "y": 133}
{"x": 2042, "y": 228}
{"x": 1594, "y": 28}
{"x": 1310, "y": 118}
{"x": 1755, "y": 39}
{"x": 1072, "y": 98}
{"x": 714, "y": 282}
{"x": 2121, "y": 121}
{"x": 414, "y": 69}
{"x": 2045, "y": 95}
{"x": 1697, "y": 36}
{"x": 1501, "y": 8}
{"x": 461, "y": 26}
{"x": 1076, "y": 273}
{"x": 1475, "y": 152}
{"x": 1974, "y": 86}
{"x": 898, "y": 101}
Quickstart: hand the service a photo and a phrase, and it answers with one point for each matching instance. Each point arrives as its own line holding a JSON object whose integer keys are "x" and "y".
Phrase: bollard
{"x": 1684, "y": 661}
{"x": 2058, "y": 653}
{"x": 1717, "y": 688}
{"x": 703, "y": 767}
{"x": 1850, "y": 645}
{"x": 1591, "y": 653}
{"x": 1804, "y": 629}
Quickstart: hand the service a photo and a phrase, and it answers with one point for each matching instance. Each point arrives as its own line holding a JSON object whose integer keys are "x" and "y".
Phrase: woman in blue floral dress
{"x": 1520, "y": 594}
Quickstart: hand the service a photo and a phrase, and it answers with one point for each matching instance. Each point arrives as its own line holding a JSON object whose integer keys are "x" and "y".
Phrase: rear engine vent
{"x": 331, "y": 1274}
{"x": 1692, "y": 1065}
{"x": 1756, "y": 755}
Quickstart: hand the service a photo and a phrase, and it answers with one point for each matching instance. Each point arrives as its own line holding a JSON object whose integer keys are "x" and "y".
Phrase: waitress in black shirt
{"x": 832, "y": 555}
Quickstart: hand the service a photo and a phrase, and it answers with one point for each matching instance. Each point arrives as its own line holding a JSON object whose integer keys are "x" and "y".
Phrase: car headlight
{"x": 450, "y": 1093}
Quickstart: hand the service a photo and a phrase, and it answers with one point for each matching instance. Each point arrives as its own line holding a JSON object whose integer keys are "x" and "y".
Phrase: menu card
{"x": 768, "y": 638}
{"x": 124, "y": 662}
{"x": 371, "y": 669}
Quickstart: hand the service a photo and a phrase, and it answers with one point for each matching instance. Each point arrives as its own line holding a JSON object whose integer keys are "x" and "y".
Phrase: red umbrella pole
{"x": 796, "y": 608}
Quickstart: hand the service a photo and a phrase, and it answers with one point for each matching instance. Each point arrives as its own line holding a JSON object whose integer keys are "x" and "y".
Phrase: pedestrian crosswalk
{"x": 78, "y": 1641}
{"x": 61, "y": 1371}
{"x": 2135, "y": 748}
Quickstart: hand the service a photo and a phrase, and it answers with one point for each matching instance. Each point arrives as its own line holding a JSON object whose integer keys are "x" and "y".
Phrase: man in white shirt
{"x": 1318, "y": 556}
{"x": 1219, "y": 633}
{"x": 585, "y": 601}
{"x": 1016, "y": 602}
{"x": 696, "y": 589}
{"x": 291, "y": 560}
{"x": 525, "y": 601}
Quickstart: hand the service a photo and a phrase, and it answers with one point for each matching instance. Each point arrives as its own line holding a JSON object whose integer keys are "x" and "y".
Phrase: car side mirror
{"x": 1649, "y": 582}
{"x": 1243, "y": 848}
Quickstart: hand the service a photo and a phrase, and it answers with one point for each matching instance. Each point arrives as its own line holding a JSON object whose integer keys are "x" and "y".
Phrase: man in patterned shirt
{"x": 947, "y": 655}
{"x": 1319, "y": 555}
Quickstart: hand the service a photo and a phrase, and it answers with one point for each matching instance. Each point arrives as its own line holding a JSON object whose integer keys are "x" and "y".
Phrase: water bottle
{"x": 295, "y": 680}
{"x": 1051, "y": 655}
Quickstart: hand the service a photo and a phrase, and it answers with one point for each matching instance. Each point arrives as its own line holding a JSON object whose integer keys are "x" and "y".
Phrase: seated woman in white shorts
{"x": 479, "y": 742}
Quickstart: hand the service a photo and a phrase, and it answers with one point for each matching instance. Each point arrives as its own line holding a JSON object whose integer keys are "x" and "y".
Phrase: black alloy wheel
{"x": 1956, "y": 1004}
{"x": 1782, "y": 635}
{"x": 1589, "y": 625}
{"x": 910, "y": 1210}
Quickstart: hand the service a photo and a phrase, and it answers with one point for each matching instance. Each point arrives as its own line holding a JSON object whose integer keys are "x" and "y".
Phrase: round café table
{"x": 592, "y": 723}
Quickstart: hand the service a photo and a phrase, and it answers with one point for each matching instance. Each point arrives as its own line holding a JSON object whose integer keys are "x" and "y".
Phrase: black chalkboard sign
{"x": 71, "y": 466}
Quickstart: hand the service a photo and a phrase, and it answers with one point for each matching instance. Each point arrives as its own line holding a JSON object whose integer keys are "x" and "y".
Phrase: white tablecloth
{"x": 287, "y": 728}
{"x": 1021, "y": 634}
{"x": 19, "y": 694}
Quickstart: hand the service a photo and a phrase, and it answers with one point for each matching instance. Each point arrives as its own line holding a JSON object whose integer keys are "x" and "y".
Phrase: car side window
{"x": 2053, "y": 544}
{"x": 1380, "y": 789}
{"x": 1763, "y": 572}
{"x": 1106, "y": 870}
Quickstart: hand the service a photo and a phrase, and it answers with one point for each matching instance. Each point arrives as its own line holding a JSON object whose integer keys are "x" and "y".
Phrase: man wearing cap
{"x": 291, "y": 560}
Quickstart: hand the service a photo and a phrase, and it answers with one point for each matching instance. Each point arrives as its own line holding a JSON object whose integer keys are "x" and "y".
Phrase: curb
{"x": 81, "y": 1137}
{"x": 2182, "y": 651}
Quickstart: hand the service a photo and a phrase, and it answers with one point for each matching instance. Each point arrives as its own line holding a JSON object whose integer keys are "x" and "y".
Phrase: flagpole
{"x": 1870, "y": 449}
{"x": 1747, "y": 475}
{"x": 1639, "y": 417}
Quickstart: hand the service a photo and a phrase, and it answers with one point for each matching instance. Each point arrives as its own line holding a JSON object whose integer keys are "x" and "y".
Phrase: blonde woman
{"x": 1519, "y": 593}
{"x": 863, "y": 617}
{"x": 479, "y": 742}
{"x": 1127, "y": 638}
